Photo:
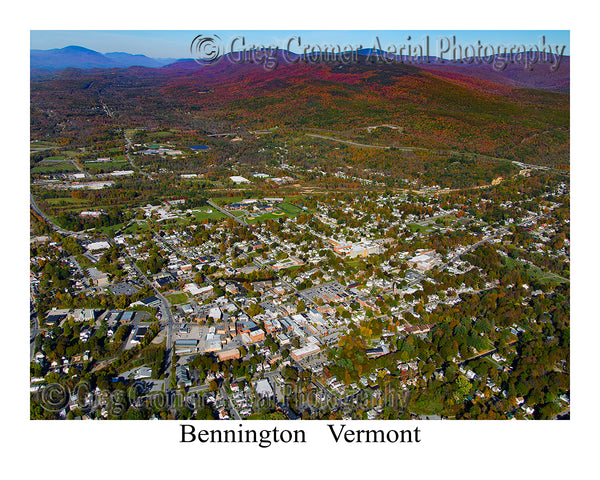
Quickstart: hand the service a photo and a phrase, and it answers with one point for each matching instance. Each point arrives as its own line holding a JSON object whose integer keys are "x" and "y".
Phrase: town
{"x": 375, "y": 304}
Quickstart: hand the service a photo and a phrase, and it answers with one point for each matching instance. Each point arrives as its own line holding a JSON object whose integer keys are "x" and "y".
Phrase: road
{"x": 165, "y": 308}
{"x": 232, "y": 408}
{"x": 348, "y": 142}
{"x": 35, "y": 330}
{"x": 128, "y": 147}
{"x": 54, "y": 227}
{"x": 225, "y": 212}
{"x": 499, "y": 232}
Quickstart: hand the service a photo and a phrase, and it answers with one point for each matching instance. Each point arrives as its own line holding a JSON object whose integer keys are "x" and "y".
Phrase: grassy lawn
{"x": 69, "y": 204}
{"x": 419, "y": 228}
{"x": 226, "y": 200}
{"x": 426, "y": 404}
{"x": 548, "y": 277}
{"x": 177, "y": 298}
{"x": 115, "y": 163}
{"x": 445, "y": 221}
{"x": 206, "y": 212}
{"x": 110, "y": 231}
{"x": 265, "y": 216}
{"x": 290, "y": 209}
{"x": 138, "y": 227}
{"x": 158, "y": 135}
{"x": 72, "y": 153}
{"x": 359, "y": 264}
{"x": 534, "y": 273}
{"x": 42, "y": 144}
{"x": 54, "y": 168}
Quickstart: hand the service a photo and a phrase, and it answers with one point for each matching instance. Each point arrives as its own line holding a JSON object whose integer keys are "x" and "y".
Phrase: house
{"x": 96, "y": 246}
{"x": 272, "y": 325}
{"x": 97, "y": 277}
{"x": 205, "y": 292}
{"x": 163, "y": 279}
{"x": 257, "y": 335}
{"x": 54, "y": 317}
{"x": 186, "y": 345}
{"x": 263, "y": 389}
{"x": 238, "y": 179}
{"x": 142, "y": 372}
{"x": 425, "y": 260}
{"x": 152, "y": 302}
{"x": 213, "y": 343}
{"x": 228, "y": 354}
{"x": 304, "y": 352}
{"x": 215, "y": 313}
{"x": 139, "y": 334}
{"x": 183, "y": 375}
{"x": 83, "y": 315}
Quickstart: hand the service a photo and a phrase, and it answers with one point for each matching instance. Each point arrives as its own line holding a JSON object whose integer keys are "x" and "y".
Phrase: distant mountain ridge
{"x": 44, "y": 62}
{"x": 80, "y": 57}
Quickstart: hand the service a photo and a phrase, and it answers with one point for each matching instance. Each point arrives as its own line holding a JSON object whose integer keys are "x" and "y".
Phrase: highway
{"x": 349, "y": 142}
{"x": 229, "y": 214}
{"x": 54, "y": 227}
{"x": 128, "y": 147}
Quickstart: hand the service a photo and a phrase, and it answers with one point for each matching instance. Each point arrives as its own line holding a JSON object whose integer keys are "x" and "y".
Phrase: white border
{"x": 451, "y": 449}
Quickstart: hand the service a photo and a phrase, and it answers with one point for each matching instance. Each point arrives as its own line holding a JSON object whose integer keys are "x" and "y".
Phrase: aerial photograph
{"x": 299, "y": 225}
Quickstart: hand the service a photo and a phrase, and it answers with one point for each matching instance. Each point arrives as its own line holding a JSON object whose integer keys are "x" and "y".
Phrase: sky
{"x": 176, "y": 43}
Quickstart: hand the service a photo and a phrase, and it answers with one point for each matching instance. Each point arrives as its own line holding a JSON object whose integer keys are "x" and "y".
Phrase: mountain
{"x": 129, "y": 60}
{"x": 539, "y": 77}
{"x": 72, "y": 56}
{"x": 435, "y": 108}
{"x": 84, "y": 58}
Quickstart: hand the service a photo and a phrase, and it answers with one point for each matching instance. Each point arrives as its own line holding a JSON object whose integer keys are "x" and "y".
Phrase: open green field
{"x": 116, "y": 163}
{"x": 206, "y": 212}
{"x": 53, "y": 159}
{"x": 445, "y": 221}
{"x": 72, "y": 153}
{"x": 177, "y": 298}
{"x": 533, "y": 272}
{"x": 110, "y": 231}
{"x": 161, "y": 135}
{"x": 426, "y": 404}
{"x": 359, "y": 264}
{"x": 290, "y": 209}
{"x": 65, "y": 167}
{"x": 141, "y": 226}
{"x": 419, "y": 228}
{"x": 69, "y": 203}
{"x": 42, "y": 144}
{"x": 264, "y": 216}
{"x": 226, "y": 200}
